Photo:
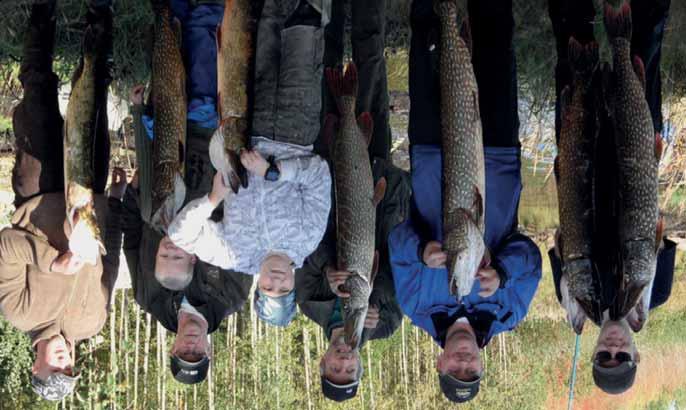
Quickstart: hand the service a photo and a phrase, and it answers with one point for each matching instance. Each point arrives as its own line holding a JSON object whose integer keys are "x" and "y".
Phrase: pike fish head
{"x": 355, "y": 309}
{"x": 85, "y": 240}
{"x": 639, "y": 263}
{"x": 465, "y": 254}
{"x": 225, "y": 149}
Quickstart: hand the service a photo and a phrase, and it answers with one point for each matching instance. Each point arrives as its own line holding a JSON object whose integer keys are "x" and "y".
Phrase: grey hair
{"x": 360, "y": 368}
{"x": 173, "y": 282}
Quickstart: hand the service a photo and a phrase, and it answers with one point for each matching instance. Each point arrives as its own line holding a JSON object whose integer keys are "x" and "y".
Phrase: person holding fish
{"x": 188, "y": 297}
{"x": 600, "y": 112}
{"x": 275, "y": 190}
{"x": 48, "y": 288}
{"x": 350, "y": 311}
{"x": 462, "y": 271}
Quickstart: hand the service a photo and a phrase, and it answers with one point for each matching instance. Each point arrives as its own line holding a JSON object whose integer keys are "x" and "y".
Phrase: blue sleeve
{"x": 520, "y": 260}
{"x": 403, "y": 243}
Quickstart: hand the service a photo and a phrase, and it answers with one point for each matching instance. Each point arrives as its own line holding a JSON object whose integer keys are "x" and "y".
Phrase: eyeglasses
{"x": 604, "y": 356}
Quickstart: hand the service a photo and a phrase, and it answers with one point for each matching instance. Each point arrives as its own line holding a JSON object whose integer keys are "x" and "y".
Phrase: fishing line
{"x": 572, "y": 378}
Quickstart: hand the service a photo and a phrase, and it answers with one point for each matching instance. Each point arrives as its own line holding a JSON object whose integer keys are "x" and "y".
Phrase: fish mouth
{"x": 463, "y": 267}
{"x": 354, "y": 326}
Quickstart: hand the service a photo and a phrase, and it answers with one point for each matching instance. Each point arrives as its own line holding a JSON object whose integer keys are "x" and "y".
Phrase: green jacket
{"x": 313, "y": 294}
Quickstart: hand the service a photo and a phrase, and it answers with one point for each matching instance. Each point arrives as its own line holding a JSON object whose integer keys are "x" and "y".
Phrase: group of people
{"x": 196, "y": 269}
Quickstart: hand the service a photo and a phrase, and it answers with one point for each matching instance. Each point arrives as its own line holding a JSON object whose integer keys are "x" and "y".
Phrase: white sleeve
{"x": 194, "y": 232}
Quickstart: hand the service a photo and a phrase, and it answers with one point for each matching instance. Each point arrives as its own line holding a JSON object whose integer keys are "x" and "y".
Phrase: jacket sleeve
{"x": 520, "y": 260}
{"x": 132, "y": 228}
{"x": 194, "y": 232}
{"x": 311, "y": 174}
{"x": 390, "y": 315}
{"x": 113, "y": 243}
{"x": 403, "y": 244}
{"x": 144, "y": 163}
{"x": 19, "y": 249}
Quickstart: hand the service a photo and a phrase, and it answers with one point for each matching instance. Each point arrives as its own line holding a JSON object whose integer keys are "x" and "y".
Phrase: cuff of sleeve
{"x": 502, "y": 274}
{"x": 420, "y": 251}
{"x": 288, "y": 169}
{"x": 204, "y": 206}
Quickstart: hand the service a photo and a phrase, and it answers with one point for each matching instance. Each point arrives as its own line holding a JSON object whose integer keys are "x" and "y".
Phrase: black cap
{"x": 339, "y": 392}
{"x": 615, "y": 380}
{"x": 458, "y": 391}
{"x": 189, "y": 373}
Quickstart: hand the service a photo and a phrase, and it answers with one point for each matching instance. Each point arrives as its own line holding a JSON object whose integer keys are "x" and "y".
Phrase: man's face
{"x": 461, "y": 357}
{"x": 615, "y": 341}
{"x": 172, "y": 260}
{"x": 340, "y": 363}
{"x": 52, "y": 357}
{"x": 276, "y": 276}
{"x": 191, "y": 343}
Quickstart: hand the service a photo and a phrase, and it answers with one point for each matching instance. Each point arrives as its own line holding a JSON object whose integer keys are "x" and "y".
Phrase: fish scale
{"x": 235, "y": 50}
{"x": 79, "y": 133}
{"x": 355, "y": 207}
{"x": 637, "y": 163}
{"x": 574, "y": 172}
{"x": 169, "y": 103}
{"x": 463, "y": 154}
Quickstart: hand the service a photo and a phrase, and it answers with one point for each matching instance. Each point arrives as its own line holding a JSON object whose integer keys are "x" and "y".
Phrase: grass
{"x": 5, "y": 124}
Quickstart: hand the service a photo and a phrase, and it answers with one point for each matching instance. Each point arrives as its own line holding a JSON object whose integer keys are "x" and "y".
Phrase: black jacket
{"x": 313, "y": 294}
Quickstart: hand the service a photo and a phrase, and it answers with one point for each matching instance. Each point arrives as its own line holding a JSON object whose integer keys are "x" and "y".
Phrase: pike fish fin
{"x": 342, "y": 84}
{"x": 375, "y": 269}
{"x": 556, "y": 168}
{"x": 640, "y": 70}
{"x": 235, "y": 172}
{"x": 659, "y": 232}
{"x": 565, "y": 100}
{"x": 379, "y": 191}
{"x": 659, "y": 146}
{"x": 478, "y": 206}
{"x": 466, "y": 33}
{"x": 366, "y": 124}
{"x": 618, "y": 21}
{"x": 608, "y": 82}
{"x": 583, "y": 59}
{"x": 176, "y": 28}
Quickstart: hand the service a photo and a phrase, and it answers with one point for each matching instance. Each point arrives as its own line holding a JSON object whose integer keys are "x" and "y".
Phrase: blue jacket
{"x": 422, "y": 291}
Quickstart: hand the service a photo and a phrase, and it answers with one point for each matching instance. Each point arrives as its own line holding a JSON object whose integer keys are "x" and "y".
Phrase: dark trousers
{"x": 367, "y": 38}
{"x": 37, "y": 122}
{"x": 492, "y": 28}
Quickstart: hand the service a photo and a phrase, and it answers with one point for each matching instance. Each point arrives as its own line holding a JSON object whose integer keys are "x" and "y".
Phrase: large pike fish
{"x": 463, "y": 154}
{"x": 638, "y": 152}
{"x": 79, "y": 134}
{"x": 574, "y": 172}
{"x": 169, "y": 103}
{"x": 356, "y": 199}
{"x": 235, "y": 48}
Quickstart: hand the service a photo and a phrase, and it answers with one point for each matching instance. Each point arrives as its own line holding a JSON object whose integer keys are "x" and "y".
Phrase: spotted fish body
{"x": 169, "y": 102}
{"x": 574, "y": 174}
{"x": 79, "y": 133}
{"x": 463, "y": 155}
{"x": 637, "y": 163}
{"x": 355, "y": 207}
{"x": 235, "y": 49}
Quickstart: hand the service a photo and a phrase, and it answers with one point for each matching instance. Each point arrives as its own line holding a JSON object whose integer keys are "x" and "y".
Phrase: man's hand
{"x": 219, "y": 190}
{"x": 433, "y": 255}
{"x": 489, "y": 281}
{"x": 66, "y": 264}
{"x": 136, "y": 94}
{"x": 254, "y": 162}
{"x": 372, "y": 319}
{"x": 336, "y": 278}
{"x": 118, "y": 186}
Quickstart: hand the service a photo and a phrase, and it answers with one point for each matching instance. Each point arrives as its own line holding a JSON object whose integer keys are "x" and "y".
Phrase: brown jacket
{"x": 46, "y": 304}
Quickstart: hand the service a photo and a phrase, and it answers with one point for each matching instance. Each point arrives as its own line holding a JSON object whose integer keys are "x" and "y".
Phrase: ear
{"x": 34, "y": 366}
{"x": 439, "y": 362}
{"x": 637, "y": 359}
{"x": 194, "y": 259}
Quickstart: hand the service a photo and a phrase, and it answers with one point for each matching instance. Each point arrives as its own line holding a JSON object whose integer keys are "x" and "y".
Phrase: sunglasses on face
{"x": 605, "y": 356}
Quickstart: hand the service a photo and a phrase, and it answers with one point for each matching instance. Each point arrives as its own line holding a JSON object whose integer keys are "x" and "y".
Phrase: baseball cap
{"x": 341, "y": 392}
{"x": 55, "y": 387}
{"x": 458, "y": 391}
{"x": 189, "y": 372}
{"x": 614, "y": 380}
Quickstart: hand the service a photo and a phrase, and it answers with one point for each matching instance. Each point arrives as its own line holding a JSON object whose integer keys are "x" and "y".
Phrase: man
{"x": 505, "y": 287}
{"x": 271, "y": 226}
{"x": 615, "y": 357}
{"x": 190, "y": 304}
{"x": 45, "y": 290}
{"x": 317, "y": 282}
